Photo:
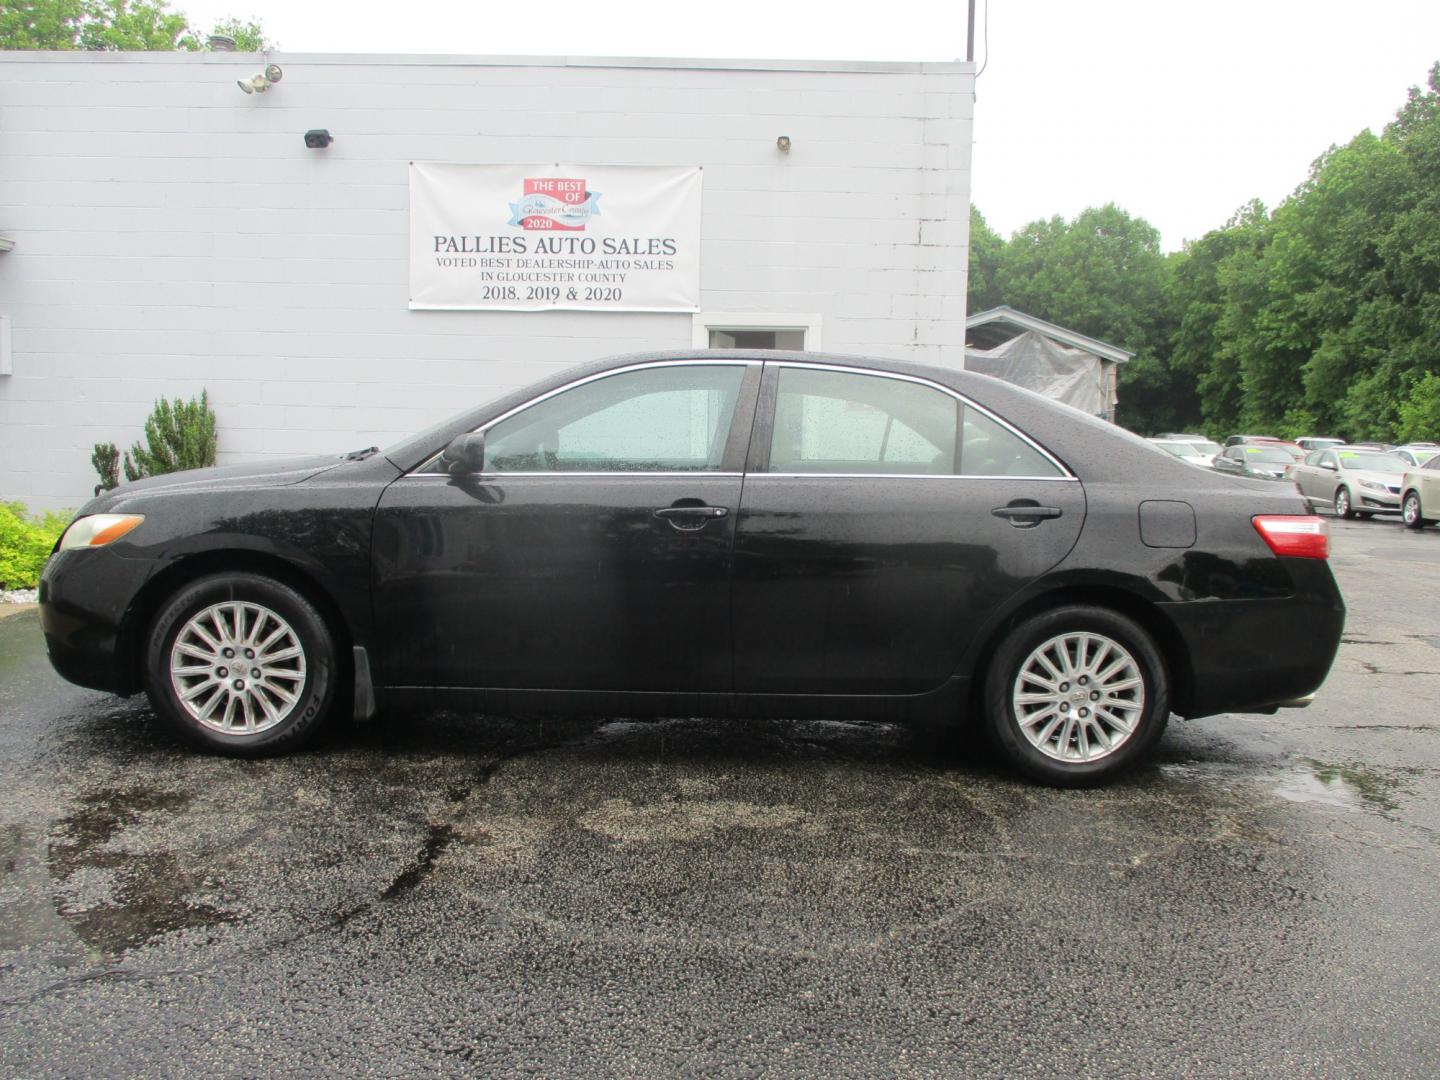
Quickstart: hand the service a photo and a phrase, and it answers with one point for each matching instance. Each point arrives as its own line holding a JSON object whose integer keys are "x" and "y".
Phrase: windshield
{"x": 1422, "y": 456}
{"x": 1207, "y": 447}
{"x": 1267, "y": 455}
{"x": 1386, "y": 463}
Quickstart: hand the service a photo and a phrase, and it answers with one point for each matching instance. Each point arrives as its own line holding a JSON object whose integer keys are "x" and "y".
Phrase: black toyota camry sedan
{"x": 713, "y": 533}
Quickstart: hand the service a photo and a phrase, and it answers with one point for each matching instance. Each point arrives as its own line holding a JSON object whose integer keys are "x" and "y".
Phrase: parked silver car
{"x": 1416, "y": 454}
{"x": 1318, "y": 442}
{"x": 1259, "y": 461}
{"x": 1420, "y": 494}
{"x": 1355, "y": 483}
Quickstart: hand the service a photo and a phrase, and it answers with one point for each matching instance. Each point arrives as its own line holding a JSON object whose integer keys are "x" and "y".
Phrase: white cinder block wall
{"x": 173, "y": 234}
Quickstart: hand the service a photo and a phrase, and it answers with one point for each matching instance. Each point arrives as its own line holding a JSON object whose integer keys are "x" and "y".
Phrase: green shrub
{"x": 180, "y": 435}
{"x": 25, "y": 543}
{"x": 106, "y": 459}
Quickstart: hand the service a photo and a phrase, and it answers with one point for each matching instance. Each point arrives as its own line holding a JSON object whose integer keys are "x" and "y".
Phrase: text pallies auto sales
{"x": 554, "y": 245}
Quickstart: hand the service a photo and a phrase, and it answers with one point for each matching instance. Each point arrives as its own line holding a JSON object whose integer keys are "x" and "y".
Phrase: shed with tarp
{"x": 1051, "y": 360}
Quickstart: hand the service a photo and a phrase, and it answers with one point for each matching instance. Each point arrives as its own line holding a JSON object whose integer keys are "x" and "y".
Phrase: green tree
{"x": 1103, "y": 275}
{"x": 1201, "y": 355}
{"x": 123, "y": 25}
{"x": 986, "y": 252}
{"x": 248, "y": 36}
{"x": 41, "y": 24}
{"x": 110, "y": 25}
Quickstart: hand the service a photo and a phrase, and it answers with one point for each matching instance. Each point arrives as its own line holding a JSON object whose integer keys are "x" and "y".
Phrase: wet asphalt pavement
{"x": 481, "y": 896}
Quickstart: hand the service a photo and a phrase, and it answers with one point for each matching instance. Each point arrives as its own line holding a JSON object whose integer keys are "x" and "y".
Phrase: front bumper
{"x": 1377, "y": 502}
{"x": 85, "y": 599}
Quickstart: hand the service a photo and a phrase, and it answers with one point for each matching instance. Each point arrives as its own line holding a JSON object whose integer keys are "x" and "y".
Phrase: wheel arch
{"x": 1150, "y": 618}
{"x": 166, "y": 583}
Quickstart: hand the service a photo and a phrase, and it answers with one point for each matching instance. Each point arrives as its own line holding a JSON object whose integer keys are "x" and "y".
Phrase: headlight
{"x": 1372, "y": 485}
{"x": 97, "y": 530}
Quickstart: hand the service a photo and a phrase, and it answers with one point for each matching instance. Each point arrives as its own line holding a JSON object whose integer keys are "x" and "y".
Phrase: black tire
{"x": 312, "y": 679}
{"x": 1343, "y": 506}
{"x": 1410, "y": 511}
{"x": 1017, "y": 650}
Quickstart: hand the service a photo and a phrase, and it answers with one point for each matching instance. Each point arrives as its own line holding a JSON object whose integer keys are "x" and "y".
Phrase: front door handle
{"x": 690, "y": 518}
{"x": 1026, "y": 516}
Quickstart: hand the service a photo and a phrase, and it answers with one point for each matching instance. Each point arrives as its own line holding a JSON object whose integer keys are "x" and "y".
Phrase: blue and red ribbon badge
{"x": 552, "y": 202}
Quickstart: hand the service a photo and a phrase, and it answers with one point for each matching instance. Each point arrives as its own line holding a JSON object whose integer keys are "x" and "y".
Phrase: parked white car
{"x": 1193, "y": 452}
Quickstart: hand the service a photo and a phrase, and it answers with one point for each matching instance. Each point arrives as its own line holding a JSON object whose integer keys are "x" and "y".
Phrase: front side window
{"x": 664, "y": 419}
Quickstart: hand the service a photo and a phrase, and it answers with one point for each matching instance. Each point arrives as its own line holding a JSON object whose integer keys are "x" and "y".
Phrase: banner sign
{"x": 554, "y": 237}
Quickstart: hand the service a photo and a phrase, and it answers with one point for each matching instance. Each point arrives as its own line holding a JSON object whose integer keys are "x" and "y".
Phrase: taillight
{"x": 1306, "y": 537}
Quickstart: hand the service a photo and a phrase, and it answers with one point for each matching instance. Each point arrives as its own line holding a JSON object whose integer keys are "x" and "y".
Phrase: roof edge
{"x": 1005, "y": 313}
{"x": 909, "y": 67}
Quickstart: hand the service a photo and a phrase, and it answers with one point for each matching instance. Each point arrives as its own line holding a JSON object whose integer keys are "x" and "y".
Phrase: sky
{"x": 1178, "y": 112}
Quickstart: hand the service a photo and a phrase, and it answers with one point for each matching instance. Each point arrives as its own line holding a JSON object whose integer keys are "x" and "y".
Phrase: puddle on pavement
{"x": 1316, "y": 783}
{"x": 110, "y": 894}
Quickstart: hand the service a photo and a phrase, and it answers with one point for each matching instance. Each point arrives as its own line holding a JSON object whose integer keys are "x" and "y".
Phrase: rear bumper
{"x": 1257, "y": 655}
{"x": 84, "y": 598}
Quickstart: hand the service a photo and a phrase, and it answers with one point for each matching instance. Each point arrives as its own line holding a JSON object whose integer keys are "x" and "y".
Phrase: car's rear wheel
{"x": 1410, "y": 511}
{"x": 1076, "y": 695}
{"x": 242, "y": 664}
{"x": 1342, "y": 504}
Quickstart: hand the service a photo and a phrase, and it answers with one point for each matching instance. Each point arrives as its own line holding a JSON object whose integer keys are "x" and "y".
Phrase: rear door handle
{"x": 1026, "y": 516}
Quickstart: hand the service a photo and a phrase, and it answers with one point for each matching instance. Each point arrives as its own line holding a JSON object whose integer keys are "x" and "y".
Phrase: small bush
{"x": 179, "y": 435}
{"x": 25, "y": 543}
{"x": 106, "y": 459}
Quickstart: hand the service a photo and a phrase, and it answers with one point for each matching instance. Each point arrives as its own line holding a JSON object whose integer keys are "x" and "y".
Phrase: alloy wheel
{"x": 1078, "y": 697}
{"x": 237, "y": 668}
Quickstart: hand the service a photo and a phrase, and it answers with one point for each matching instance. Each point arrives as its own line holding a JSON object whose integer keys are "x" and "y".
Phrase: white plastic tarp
{"x": 1042, "y": 364}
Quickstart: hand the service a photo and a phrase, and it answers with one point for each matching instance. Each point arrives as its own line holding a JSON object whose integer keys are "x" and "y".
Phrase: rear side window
{"x": 988, "y": 448}
{"x": 844, "y": 422}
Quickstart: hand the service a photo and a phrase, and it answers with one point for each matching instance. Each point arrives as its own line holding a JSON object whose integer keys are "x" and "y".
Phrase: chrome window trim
{"x": 1065, "y": 474}
{"x": 719, "y": 361}
{"x": 690, "y": 474}
{"x": 1067, "y": 479}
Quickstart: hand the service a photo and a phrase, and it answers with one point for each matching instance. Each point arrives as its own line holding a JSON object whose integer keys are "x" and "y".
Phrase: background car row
{"x": 1355, "y": 480}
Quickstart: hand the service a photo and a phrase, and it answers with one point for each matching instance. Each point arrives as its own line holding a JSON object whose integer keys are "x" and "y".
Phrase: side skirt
{"x": 944, "y": 705}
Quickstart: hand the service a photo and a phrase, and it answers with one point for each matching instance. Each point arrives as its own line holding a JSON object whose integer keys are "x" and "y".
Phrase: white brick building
{"x": 172, "y": 234}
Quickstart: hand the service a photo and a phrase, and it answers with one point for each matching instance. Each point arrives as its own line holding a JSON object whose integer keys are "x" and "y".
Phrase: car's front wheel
{"x": 1342, "y": 504}
{"x": 1076, "y": 695}
{"x": 1410, "y": 511}
{"x": 242, "y": 664}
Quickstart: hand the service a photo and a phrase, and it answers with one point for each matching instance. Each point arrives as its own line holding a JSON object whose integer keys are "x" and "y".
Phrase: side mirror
{"x": 465, "y": 454}
{"x": 1330, "y": 465}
